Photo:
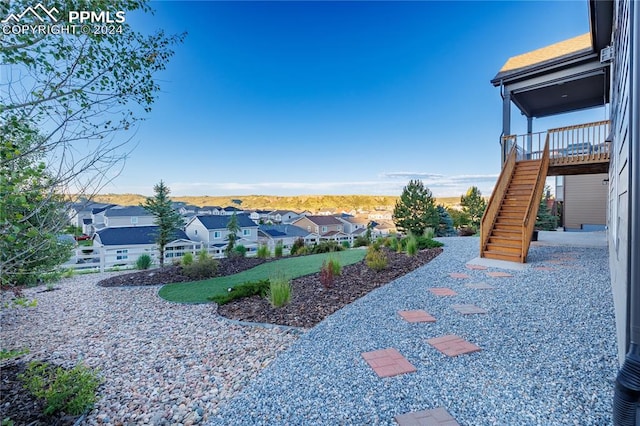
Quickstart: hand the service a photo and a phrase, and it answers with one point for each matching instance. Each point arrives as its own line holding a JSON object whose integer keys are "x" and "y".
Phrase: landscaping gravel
{"x": 548, "y": 350}
{"x": 162, "y": 363}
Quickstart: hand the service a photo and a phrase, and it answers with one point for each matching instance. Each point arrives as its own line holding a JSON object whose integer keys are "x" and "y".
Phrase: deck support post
{"x": 506, "y": 123}
{"x": 529, "y": 136}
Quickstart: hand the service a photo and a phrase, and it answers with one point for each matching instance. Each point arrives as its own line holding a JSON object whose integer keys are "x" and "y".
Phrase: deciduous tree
{"x": 65, "y": 101}
{"x": 415, "y": 210}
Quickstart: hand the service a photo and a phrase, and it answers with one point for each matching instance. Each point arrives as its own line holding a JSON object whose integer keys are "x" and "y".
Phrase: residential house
{"x": 283, "y": 216}
{"x": 214, "y": 210}
{"x": 354, "y": 225}
{"x": 187, "y": 210}
{"x": 286, "y": 234}
{"x": 212, "y": 231}
{"x": 229, "y": 210}
{"x": 591, "y": 70}
{"x": 82, "y": 210}
{"x": 123, "y": 245}
{"x": 127, "y": 216}
{"x": 328, "y": 227}
{"x": 259, "y": 216}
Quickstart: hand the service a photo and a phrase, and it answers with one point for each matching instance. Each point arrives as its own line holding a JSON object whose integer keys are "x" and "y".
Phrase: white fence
{"x": 125, "y": 257}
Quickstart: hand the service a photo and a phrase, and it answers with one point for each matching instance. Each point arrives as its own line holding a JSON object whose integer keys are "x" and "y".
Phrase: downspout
{"x": 627, "y": 390}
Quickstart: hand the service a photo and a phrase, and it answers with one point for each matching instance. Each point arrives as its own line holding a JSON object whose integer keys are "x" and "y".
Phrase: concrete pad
{"x": 571, "y": 239}
{"x": 500, "y": 264}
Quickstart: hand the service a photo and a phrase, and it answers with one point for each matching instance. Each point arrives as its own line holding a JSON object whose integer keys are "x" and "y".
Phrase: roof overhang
{"x": 564, "y": 77}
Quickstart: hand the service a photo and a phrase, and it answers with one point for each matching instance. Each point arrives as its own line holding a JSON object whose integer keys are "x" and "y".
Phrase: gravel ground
{"x": 162, "y": 363}
{"x": 548, "y": 350}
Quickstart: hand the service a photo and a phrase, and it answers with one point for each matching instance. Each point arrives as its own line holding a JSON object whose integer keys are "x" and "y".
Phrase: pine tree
{"x": 445, "y": 226}
{"x": 474, "y": 205}
{"x": 415, "y": 210}
{"x": 545, "y": 221}
{"x": 166, "y": 218}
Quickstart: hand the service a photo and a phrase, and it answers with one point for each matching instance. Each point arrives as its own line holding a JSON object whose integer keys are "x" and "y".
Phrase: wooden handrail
{"x": 529, "y": 220}
{"x": 495, "y": 201}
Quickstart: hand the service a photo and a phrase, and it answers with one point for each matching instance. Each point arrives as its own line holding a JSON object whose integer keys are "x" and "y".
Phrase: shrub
{"x": 71, "y": 391}
{"x": 240, "y": 291}
{"x": 429, "y": 233}
{"x": 239, "y": 250}
{"x": 393, "y": 243}
{"x": 376, "y": 259}
{"x": 297, "y": 245}
{"x": 279, "y": 290}
{"x": 68, "y": 273}
{"x": 412, "y": 246}
{"x": 326, "y": 275}
{"x": 361, "y": 241}
{"x": 346, "y": 245}
{"x": 302, "y": 251}
{"x": 143, "y": 262}
{"x": 205, "y": 267}
{"x": 334, "y": 265}
{"x": 203, "y": 255}
{"x": 187, "y": 259}
{"x": 12, "y": 353}
{"x": 427, "y": 243}
{"x": 263, "y": 252}
{"x": 278, "y": 249}
{"x": 327, "y": 247}
{"x": 467, "y": 231}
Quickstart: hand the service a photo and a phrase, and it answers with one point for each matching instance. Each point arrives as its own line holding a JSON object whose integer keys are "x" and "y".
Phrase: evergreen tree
{"x": 473, "y": 205}
{"x": 233, "y": 227}
{"x": 445, "y": 226}
{"x": 166, "y": 218}
{"x": 545, "y": 221}
{"x": 415, "y": 210}
{"x": 459, "y": 217}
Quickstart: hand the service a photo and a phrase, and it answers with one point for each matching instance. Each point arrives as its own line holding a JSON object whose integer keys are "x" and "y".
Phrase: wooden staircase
{"x": 507, "y": 224}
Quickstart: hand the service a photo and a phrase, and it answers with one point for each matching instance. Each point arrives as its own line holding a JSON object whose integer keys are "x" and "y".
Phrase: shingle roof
{"x": 284, "y": 230}
{"x": 575, "y": 45}
{"x": 132, "y": 235}
{"x": 220, "y": 222}
{"x": 120, "y": 211}
{"x": 324, "y": 220}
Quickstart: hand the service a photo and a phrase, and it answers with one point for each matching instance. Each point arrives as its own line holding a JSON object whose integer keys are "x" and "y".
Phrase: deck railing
{"x": 578, "y": 144}
{"x": 495, "y": 201}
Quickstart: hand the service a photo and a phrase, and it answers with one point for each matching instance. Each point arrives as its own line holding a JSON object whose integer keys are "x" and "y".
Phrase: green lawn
{"x": 292, "y": 267}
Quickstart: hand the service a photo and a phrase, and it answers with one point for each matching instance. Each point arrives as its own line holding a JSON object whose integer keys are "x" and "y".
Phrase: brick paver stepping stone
{"x": 480, "y": 286}
{"x": 435, "y": 417}
{"x": 476, "y": 267}
{"x": 417, "y": 316}
{"x": 459, "y": 275}
{"x": 544, "y": 268}
{"x": 499, "y": 274}
{"x": 452, "y": 345}
{"x": 388, "y": 362}
{"x": 442, "y": 291}
{"x": 468, "y": 309}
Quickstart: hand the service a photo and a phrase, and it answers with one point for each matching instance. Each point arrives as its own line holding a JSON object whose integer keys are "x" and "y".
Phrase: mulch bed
{"x": 18, "y": 405}
{"x": 173, "y": 274}
{"x": 311, "y": 302}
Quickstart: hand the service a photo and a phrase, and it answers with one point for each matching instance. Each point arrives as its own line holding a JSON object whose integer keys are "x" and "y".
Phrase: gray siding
{"x": 618, "y": 216}
{"x": 585, "y": 200}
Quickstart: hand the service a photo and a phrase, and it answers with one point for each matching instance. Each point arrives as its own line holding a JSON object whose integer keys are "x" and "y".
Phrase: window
{"x": 339, "y": 227}
{"x": 196, "y": 232}
{"x": 324, "y": 229}
{"x": 134, "y": 220}
{"x": 246, "y": 232}
{"x": 217, "y": 234}
{"x": 122, "y": 254}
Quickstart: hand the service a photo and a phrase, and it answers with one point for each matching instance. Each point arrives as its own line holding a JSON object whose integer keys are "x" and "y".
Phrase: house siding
{"x": 120, "y": 221}
{"x": 202, "y": 233}
{"x": 619, "y": 174}
{"x": 585, "y": 201}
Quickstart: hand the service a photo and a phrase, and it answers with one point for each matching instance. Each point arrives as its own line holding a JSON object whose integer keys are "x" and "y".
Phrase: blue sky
{"x": 288, "y": 98}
